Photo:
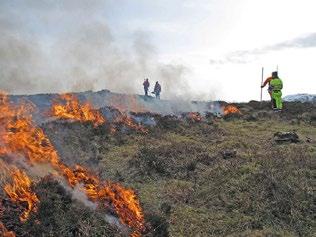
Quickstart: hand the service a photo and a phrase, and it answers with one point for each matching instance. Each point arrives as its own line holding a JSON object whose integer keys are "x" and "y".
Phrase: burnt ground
{"x": 223, "y": 176}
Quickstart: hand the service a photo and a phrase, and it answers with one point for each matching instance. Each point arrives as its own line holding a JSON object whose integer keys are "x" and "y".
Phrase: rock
{"x": 309, "y": 140}
{"x": 264, "y": 114}
{"x": 251, "y": 117}
{"x": 228, "y": 154}
{"x": 282, "y": 137}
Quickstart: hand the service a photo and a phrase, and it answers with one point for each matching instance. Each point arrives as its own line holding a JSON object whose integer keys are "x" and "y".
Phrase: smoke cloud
{"x": 58, "y": 46}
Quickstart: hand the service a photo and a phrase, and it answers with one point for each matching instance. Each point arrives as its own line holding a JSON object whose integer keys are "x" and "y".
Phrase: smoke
{"x": 78, "y": 194}
{"x": 58, "y": 46}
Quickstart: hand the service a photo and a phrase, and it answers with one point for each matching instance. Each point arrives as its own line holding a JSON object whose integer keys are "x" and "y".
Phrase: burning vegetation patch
{"x": 3, "y": 230}
{"x": 21, "y": 138}
{"x": 20, "y": 192}
{"x": 193, "y": 178}
{"x": 231, "y": 109}
{"x": 193, "y": 117}
{"x": 68, "y": 107}
{"x": 124, "y": 121}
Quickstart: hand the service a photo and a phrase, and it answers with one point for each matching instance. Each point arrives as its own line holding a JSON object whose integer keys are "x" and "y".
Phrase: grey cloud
{"x": 308, "y": 41}
{"x": 245, "y": 56}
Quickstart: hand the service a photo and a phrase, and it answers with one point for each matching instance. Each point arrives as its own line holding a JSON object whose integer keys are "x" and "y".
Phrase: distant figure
{"x": 274, "y": 89}
{"x": 146, "y": 86}
{"x": 157, "y": 90}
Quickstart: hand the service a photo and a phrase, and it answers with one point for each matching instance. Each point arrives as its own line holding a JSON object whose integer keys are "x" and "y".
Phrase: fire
{"x": 20, "y": 192}
{"x": 124, "y": 200}
{"x": 124, "y": 104}
{"x": 194, "y": 116}
{"x": 19, "y": 135}
{"x": 229, "y": 109}
{"x": 124, "y": 119}
{"x": 3, "y": 230}
{"x": 73, "y": 110}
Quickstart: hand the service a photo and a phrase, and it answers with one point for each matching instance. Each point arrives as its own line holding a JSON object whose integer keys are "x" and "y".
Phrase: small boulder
{"x": 251, "y": 117}
{"x": 282, "y": 137}
{"x": 309, "y": 140}
{"x": 228, "y": 154}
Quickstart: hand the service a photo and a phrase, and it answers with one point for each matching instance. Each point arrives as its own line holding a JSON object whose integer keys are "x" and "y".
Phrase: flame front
{"x": 129, "y": 122}
{"x": 195, "y": 116}
{"x": 123, "y": 199}
{"x": 3, "y": 230}
{"x": 20, "y": 136}
{"x": 72, "y": 109}
{"x": 229, "y": 109}
{"x": 20, "y": 192}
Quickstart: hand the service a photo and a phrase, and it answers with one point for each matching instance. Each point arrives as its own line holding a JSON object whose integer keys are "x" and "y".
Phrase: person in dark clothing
{"x": 157, "y": 90}
{"x": 146, "y": 86}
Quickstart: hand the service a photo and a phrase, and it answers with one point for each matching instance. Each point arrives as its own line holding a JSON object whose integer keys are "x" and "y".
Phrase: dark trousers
{"x": 146, "y": 91}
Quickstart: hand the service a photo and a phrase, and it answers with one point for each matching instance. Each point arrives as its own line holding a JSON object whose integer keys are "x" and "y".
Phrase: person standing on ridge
{"x": 146, "y": 86}
{"x": 274, "y": 89}
{"x": 157, "y": 90}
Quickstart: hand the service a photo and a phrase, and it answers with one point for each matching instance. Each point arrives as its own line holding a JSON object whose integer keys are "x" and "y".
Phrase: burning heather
{"x": 194, "y": 116}
{"x": 3, "y": 230}
{"x": 20, "y": 136}
{"x": 124, "y": 200}
{"x": 20, "y": 192}
{"x": 69, "y": 107}
{"x": 123, "y": 119}
{"x": 231, "y": 109}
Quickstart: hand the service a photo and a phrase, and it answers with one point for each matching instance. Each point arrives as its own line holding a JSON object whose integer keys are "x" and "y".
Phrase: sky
{"x": 201, "y": 49}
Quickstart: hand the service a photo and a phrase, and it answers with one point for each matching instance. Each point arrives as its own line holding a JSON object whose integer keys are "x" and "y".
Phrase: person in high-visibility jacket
{"x": 275, "y": 90}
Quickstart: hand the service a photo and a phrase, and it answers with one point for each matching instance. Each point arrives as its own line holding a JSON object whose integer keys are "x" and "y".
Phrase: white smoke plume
{"x": 73, "y": 49}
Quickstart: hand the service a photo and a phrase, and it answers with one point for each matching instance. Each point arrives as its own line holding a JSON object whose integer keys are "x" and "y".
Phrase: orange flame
{"x": 229, "y": 109}
{"x": 20, "y": 192}
{"x": 124, "y": 200}
{"x": 129, "y": 122}
{"x": 73, "y": 110}
{"x": 194, "y": 116}
{"x": 3, "y": 230}
{"x": 20, "y": 136}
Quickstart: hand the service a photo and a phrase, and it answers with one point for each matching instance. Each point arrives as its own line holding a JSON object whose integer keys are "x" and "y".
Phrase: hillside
{"x": 300, "y": 98}
{"x": 213, "y": 175}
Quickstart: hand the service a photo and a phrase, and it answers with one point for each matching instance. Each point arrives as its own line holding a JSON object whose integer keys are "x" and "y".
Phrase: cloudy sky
{"x": 197, "y": 49}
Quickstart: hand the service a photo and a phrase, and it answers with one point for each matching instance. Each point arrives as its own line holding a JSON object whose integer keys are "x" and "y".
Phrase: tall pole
{"x": 262, "y": 70}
